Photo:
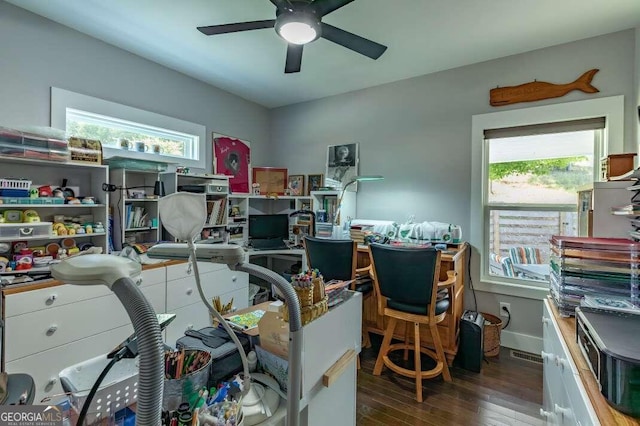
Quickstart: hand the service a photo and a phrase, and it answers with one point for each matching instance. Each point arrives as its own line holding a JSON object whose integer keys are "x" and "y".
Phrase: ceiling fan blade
{"x": 238, "y": 26}
{"x": 294, "y": 58}
{"x": 279, "y": 3}
{"x": 351, "y": 41}
{"x": 324, "y": 7}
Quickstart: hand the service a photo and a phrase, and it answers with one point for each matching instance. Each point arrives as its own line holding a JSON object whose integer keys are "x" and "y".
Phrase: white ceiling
{"x": 423, "y": 36}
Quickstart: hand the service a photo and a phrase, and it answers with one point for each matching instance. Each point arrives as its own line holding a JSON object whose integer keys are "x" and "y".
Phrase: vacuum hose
{"x": 150, "y": 348}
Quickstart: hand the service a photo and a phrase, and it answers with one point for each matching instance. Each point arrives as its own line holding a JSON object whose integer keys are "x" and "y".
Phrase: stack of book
{"x": 136, "y": 217}
{"x": 215, "y": 209}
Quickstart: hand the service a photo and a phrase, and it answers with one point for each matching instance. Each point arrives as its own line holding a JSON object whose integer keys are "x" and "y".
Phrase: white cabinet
{"x": 216, "y": 189}
{"x": 594, "y": 213}
{"x": 135, "y": 207}
{"x": 565, "y": 400}
{"x": 49, "y": 329}
{"x": 85, "y": 180}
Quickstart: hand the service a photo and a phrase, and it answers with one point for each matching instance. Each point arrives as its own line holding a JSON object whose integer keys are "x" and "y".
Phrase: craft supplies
{"x": 309, "y": 286}
{"x": 186, "y": 372}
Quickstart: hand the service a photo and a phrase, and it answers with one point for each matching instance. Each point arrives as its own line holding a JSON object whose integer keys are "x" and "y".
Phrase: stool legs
{"x": 406, "y": 340}
{"x": 440, "y": 352}
{"x": 384, "y": 348}
{"x": 417, "y": 363}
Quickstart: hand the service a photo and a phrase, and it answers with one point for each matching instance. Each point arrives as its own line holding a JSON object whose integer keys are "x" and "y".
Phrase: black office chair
{"x": 338, "y": 260}
{"x": 407, "y": 285}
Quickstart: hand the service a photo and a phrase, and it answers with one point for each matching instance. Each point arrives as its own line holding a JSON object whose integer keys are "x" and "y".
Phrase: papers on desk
{"x": 246, "y": 321}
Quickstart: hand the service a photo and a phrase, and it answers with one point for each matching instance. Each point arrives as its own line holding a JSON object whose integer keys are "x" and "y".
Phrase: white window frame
{"x": 613, "y": 143}
{"x": 61, "y": 100}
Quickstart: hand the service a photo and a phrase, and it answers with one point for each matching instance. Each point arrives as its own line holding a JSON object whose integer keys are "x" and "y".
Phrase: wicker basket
{"x": 492, "y": 327}
{"x": 309, "y": 313}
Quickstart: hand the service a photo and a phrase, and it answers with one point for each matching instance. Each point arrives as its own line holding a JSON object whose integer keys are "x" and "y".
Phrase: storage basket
{"x": 309, "y": 313}
{"x": 15, "y": 184}
{"x": 492, "y": 327}
{"x": 119, "y": 388}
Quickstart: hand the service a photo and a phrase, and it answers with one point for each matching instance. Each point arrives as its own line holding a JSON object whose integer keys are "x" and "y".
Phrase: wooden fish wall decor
{"x": 538, "y": 90}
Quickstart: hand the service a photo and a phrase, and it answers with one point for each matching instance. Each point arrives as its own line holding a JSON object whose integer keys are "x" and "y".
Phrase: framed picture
{"x": 296, "y": 185}
{"x": 232, "y": 157}
{"x": 272, "y": 180}
{"x": 342, "y": 165}
{"x": 314, "y": 182}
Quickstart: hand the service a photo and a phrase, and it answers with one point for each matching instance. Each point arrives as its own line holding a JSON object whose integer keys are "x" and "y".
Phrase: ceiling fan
{"x": 300, "y": 22}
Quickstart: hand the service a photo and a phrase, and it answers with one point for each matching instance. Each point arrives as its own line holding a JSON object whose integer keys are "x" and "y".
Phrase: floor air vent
{"x": 526, "y": 356}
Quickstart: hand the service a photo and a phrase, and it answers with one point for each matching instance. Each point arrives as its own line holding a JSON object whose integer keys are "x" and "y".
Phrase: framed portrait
{"x": 342, "y": 165}
{"x": 232, "y": 157}
{"x": 272, "y": 180}
{"x": 314, "y": 182}
{"x": 296, "y": 185}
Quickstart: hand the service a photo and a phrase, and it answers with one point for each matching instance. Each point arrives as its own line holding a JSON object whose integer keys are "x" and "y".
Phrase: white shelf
{"x": 264, "y": 197}
{"x": 213, "y": 226}
{"x": 56, "y": 164}
{"x": 53, "y": 237}
{"x": 143, "y": 228}
{"x": 133, "y": 200}
{"x": 52, "y": 206}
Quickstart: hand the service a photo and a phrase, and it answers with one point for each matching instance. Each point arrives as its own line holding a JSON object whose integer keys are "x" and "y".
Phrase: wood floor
{"x": 508, "y": 391}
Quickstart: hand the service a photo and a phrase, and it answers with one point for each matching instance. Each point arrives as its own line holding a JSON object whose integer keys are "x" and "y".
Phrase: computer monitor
{"x": 269, "y": 226}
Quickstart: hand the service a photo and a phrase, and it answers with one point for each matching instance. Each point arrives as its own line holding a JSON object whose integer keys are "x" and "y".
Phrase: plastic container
{"x": 25, "y": 230}
{"x": 119, "y": 388}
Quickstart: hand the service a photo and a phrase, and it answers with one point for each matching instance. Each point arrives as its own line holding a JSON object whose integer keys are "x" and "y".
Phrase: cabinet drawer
{"x": 41, "y": 330}
{"x": 153, "y": 276}
{"x": 45, "y": 366}
{"x": 45, "y": 298}
{"x": 183, "y": 292}
{"x": 194, "y": 316}
{"x": 224, "y": 281}
{"x": 156, "y": 295}
{"x": 554, "y": 343}
{"x": 175, "y": 272}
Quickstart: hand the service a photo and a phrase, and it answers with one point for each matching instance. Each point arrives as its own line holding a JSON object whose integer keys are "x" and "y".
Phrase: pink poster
{"x": 232, "y": 157}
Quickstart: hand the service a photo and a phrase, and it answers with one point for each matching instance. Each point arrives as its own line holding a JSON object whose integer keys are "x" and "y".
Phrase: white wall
{"x": 36, "y": 53}
{"x": 417, "y": 134}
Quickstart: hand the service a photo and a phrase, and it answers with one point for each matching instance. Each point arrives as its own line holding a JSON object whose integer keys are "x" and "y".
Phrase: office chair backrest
{"x": 335, "y": 259}
{"x": 406, "y": 275}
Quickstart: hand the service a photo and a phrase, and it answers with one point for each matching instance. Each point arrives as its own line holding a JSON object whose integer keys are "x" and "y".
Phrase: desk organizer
{"x": 309, "y": 287}
{"x": 119, "y": 388}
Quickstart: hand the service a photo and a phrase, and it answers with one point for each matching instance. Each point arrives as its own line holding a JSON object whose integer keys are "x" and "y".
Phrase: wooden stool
{"x": 406, "y": 283}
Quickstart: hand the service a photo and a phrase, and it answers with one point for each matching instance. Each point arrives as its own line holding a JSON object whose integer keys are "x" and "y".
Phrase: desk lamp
{"x": 364, "y": 178}
{"x": 118, "y": 274}
{"x": 183, "y": 215}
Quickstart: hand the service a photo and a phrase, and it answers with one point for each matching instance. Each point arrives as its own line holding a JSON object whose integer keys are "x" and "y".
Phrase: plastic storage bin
{"x": 25, "y": 230}
{"x": 119, "y": 388}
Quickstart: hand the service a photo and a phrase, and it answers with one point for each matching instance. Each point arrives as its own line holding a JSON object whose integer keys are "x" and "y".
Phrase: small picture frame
{"x": 314, "y": 182}
{"x": 295, "y": 185}
{"x": 272, "y": 180}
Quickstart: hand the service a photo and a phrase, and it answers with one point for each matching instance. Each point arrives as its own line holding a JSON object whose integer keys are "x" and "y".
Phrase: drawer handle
{"x": 562, "y": 362}
{"x": 545, "y": 414}
{"x": 562, "y": 411}
{"x": 234, "y": 278}
{"x": 189, "y": 291}
{"x": 51, "y": 299}
{"x": 546, "y": 356}
{"x": 545, "y": 320}
{"x": 52, "y": 381}
{"x": 189, "y": 327}
{"x": 52, "y": 330}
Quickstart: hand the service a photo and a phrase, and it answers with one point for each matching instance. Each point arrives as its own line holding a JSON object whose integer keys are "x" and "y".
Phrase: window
{"x": 151, "y": 136}
{"x": 489, "y": 148}
{"x": 533, "y": 176}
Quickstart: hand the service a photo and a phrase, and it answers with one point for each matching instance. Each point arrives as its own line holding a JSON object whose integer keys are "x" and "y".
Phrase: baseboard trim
{"x": 522, "y": 342}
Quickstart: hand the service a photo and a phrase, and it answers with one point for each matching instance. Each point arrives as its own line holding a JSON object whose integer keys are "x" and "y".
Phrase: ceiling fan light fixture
{"x": 298, "y": 27}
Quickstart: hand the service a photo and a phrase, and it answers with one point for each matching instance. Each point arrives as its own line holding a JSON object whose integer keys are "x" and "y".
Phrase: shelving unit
{"x": 85, "y": 179}
{"x": 216, "y": 188}
{"x": 327, "y": 201}
{"x": 135, "y": 220}
{"x": 246, "y": 205}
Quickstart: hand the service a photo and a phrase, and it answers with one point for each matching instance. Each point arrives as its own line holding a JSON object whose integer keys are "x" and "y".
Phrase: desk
{"x": 535, "y": 271}
{"x": 285, "y": 254}
{"x": 455, "y": 259}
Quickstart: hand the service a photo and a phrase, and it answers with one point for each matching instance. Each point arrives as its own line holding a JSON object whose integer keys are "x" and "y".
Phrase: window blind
{"x": 547, "y": 128}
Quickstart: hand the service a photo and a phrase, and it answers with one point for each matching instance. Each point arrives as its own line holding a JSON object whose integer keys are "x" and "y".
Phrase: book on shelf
{"x": 135, "y": 217}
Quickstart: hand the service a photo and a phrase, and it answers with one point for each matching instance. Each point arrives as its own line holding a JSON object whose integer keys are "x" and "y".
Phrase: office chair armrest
{"x": 451, "y": 280}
